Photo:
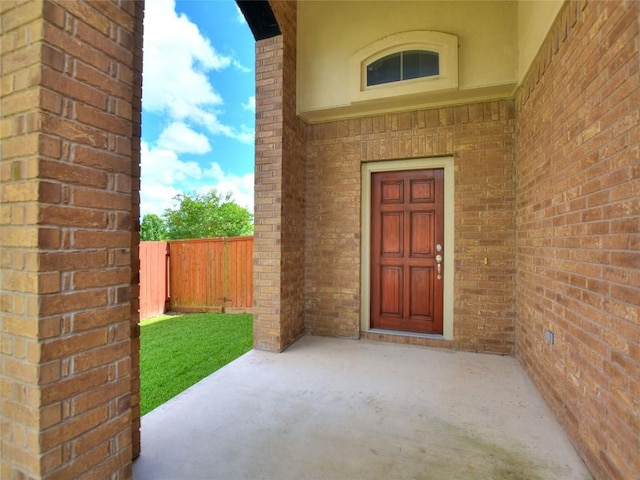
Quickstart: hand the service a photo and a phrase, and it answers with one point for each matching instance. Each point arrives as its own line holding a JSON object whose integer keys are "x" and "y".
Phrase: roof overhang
{"x": 260, "y": 17}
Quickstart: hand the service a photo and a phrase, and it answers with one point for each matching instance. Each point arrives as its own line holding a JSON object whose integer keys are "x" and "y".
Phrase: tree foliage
{"x": 153, "y": 228}
{"x": 207, "y": 215}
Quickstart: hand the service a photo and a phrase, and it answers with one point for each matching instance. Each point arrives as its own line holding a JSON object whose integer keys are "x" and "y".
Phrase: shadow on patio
{"x": 339, "y": 409}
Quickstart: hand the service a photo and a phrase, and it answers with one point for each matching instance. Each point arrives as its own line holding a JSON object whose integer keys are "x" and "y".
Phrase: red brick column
{"x": 67, "y": 131}
{"x": 268, "y": 191}
{"x": 279, "y": 190}
{"x": 20, "y": 281}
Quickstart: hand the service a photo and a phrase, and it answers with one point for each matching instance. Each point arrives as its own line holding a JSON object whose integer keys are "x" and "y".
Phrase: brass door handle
{"x": 439, "y": 263}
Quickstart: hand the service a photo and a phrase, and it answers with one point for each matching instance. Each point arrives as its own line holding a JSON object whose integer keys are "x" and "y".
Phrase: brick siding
{"x": 68, "y": 128}
{"x": 279, "y": 190}
{"x": 479, "y": 137}
{"x": 578, "y": 220}
{"x": 20, "y": 281}
{"x": 293, "y": 185}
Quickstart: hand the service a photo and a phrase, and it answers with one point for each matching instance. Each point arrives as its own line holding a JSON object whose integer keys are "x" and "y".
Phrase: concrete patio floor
{"x": 341, "y": 409}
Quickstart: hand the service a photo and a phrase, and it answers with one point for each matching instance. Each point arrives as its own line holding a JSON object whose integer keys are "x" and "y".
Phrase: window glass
{"x": 385, "y": 70}
{"x": 416, "y": 64}
{"x": 403, "y": 66}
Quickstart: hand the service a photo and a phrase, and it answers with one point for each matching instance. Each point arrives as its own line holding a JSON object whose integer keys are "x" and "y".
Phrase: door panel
{"x": 392, "y": 192}
{"x": 392, "y": 233}
{"x": 391, "y": 289}
{"x": 421, "y": 302}
{"x": 422, "y": 191}
{"x": 407, "y": 221}
{"x": 422, "y": 234}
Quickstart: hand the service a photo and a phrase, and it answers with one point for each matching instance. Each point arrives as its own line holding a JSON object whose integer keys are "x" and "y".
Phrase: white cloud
{"x": 239, "y": 16}
{"x": 251, "y": 104}
{"x": 156, "y": 198}
{"x": 164, "y": 175}
{"x": 245, "y": 135}
{"x": 211, "y": 123}
{"x": 176, "y": 59}
{"x": 241, "y": 187}
{"x": 240, "y": 67}
{"x": 182, "y": 139}
{"x": 162, "y": 166}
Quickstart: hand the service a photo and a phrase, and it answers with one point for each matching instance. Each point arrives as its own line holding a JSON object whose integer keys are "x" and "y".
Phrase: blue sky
{"x": 198, "y": 103}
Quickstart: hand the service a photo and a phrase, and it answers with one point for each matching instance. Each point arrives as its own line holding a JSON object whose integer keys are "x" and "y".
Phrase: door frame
{"x": 365, "y": 251}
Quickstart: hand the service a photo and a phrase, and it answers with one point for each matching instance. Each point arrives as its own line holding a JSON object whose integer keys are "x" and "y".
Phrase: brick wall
{"x": 479, "y": 137}
{"x": 293, "y": 184}
{"x": 20, "y": 282}
{"x": 578, "y": 221}
{"x": 279, "y": 190}
{"x": 68, "y": 129}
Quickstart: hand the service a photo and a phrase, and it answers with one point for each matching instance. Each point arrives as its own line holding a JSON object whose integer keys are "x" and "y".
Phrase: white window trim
{"x": 365, "y": 252}
{"x": 444, "y": 44}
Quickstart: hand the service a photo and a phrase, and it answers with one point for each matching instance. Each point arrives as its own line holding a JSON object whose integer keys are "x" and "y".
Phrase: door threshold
{"x": 400, "y": 333}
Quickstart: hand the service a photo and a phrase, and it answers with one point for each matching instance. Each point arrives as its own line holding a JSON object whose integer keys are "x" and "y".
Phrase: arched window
{"x": 403, "y": 66}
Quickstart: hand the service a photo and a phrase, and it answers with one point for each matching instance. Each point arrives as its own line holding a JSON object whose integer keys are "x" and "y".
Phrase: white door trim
{"x": 365, "y": 251}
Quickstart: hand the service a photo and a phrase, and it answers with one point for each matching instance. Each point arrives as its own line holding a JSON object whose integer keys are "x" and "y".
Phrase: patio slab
{"x": 342, "y": 409}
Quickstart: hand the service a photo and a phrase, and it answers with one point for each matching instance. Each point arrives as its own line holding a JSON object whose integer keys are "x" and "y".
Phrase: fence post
{"x": 167, "y": 280}
{"x": 225, "y": 261}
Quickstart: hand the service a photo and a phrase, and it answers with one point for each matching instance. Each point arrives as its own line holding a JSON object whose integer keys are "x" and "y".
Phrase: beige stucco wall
{"x": 331, "y": 32}
{"x": 535, "y": 17}
{"x": 497, "y": 40}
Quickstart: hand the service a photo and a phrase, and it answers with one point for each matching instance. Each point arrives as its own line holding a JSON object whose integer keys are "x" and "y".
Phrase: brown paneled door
{"x": 407, "y": 235}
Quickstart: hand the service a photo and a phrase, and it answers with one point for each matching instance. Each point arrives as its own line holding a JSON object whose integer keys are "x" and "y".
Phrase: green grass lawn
{"x": 177, "y": 351}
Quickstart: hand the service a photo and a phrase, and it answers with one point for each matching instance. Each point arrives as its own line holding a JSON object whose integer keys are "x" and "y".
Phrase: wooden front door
{"x": 407, "y": 235}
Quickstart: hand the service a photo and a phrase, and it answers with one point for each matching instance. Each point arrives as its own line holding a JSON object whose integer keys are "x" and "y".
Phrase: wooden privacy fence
{"x": 202, "y": 275}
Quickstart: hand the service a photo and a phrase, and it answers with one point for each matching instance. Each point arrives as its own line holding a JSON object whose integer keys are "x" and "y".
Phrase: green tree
{"x": 153, "y": 228}
{"x": 207, "y": 215}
